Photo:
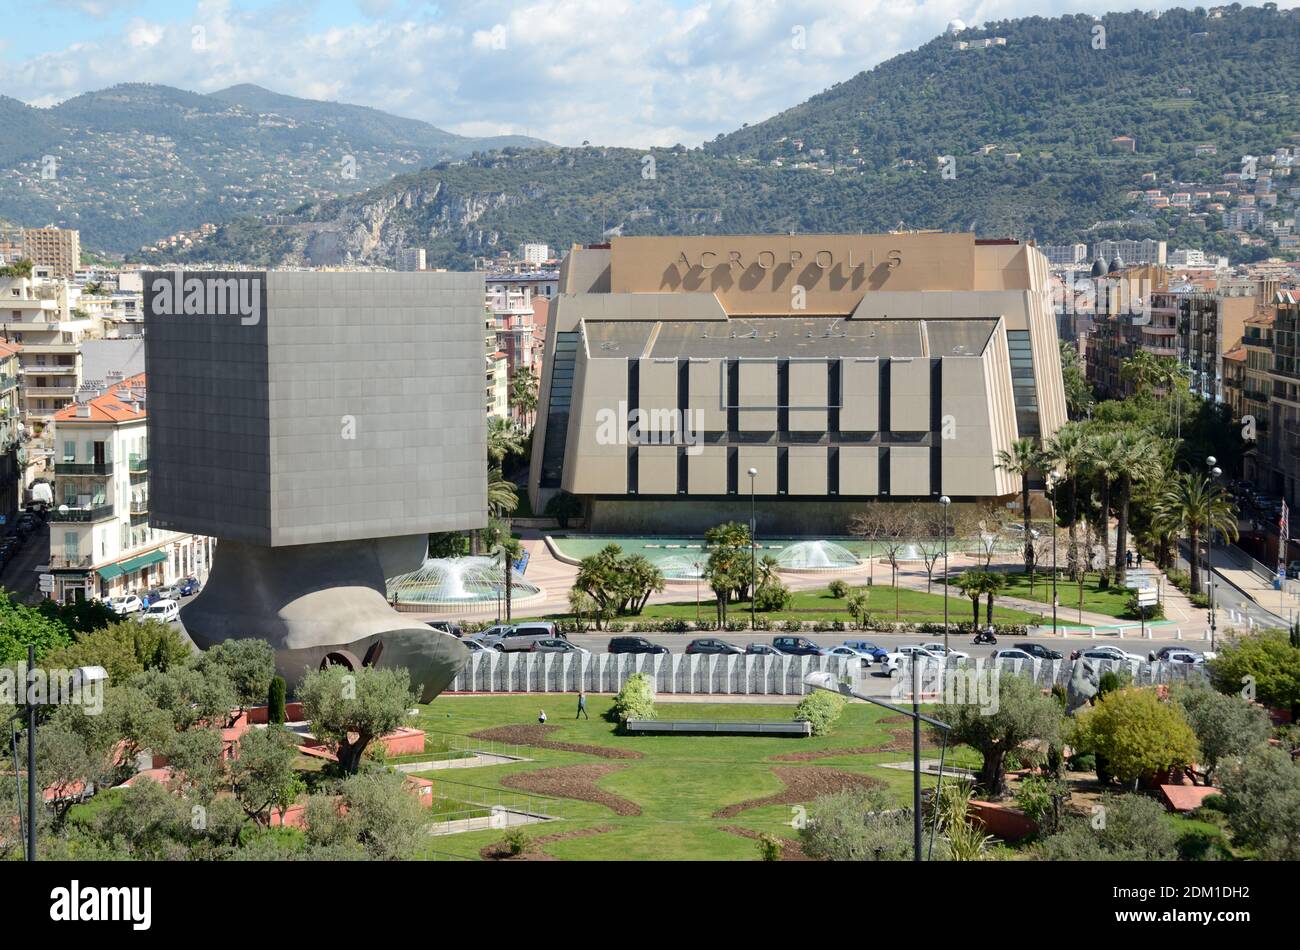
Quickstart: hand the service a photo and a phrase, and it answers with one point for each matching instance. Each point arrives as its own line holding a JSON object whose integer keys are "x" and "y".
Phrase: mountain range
{"x": 1016, "y": 128}
{"x": 136, "y": 162}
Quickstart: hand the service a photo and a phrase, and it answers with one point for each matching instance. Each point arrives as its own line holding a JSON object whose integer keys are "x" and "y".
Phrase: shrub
{"x": 1083, "y": 762}
{"x": 858, "y": 825}
{"x": 772, "y": 596}
{"x": 770, "y": 847}
{"x": 517, "y": 841}
{"x": 792, "y": 626}
{"x": 839, "y": 588}
{"x": 1123, "y": 828}
{"x": 1137, "y": 734}
{"x": 636, "y": 700}
{"x": 275, "y": 701}
{"x": 1262, "y": 793}
{"x": 1135, "y": 611}
{"x": 820, "y": 708}
{"x": 1112, "y": 680}
{"x": 1043, "y": 799}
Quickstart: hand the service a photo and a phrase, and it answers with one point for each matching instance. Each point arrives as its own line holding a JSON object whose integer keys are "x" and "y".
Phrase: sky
{"x": 631, "y": 73}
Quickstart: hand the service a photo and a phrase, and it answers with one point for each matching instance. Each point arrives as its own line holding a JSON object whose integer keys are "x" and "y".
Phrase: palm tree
{"x": 523, "y": 394}
{"x": 971, "y": 583}
{"x": 503, "y": 439}
{"x": 1194, "y": 504}
{"x": 1142, "y": 369}
{"x": 1102, "y": 465}
{"x": 1068, "y": 452}
{"x": 1138, "y": 460}
{"x": 511, "y": 550}
{"x": 1022, "y": 459}
{"x": 501, "y": 495}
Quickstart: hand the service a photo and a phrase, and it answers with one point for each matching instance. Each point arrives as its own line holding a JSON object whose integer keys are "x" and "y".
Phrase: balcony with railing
{"x": 83, "y": 468}
{"x": 68, "y": 514}
{"x": 70, "y": 560}
{"x": 140, "y": 506}
{"x": 138, "y": 464}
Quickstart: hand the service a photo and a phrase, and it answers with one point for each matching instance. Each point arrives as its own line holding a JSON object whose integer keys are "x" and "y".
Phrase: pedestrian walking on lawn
{"x": 541, "y": 716}
{"x": 582, "y": 705}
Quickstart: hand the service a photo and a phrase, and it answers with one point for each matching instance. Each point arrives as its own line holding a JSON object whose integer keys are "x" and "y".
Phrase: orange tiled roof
{"x": 9, "y": 349}
{"x": 108, "y": 407}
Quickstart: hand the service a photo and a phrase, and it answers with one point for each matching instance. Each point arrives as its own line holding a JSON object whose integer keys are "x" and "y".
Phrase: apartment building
{"x": 11, "y": 455}
{"x": 58, "y": 250}
{"x": 41, "y": 314}
{"x": 101, "y": 542}
{"x": 1145, "y": 251}
{"x": 534, "y": 254}
{"x": 1064, "y": 255}
{"x": 411, "y": 259}
{"x": 496, "y": 371}
{"x": 843, "y": 369}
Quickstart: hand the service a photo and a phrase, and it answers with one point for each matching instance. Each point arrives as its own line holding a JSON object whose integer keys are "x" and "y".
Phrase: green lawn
{"x": 679, "y": 783}
{"x": 1113, "y": 601}
{"x": 818, "y": 605}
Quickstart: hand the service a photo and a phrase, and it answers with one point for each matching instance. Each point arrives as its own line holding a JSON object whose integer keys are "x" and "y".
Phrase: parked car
{"x": 1179, "y": 655}
{"x": 556, "y": 645}
{"x": 170, "y": 592}
{"x": 126, "y": 604}
{"x": 890, "y": 663}
{"x": 447, "y": 626}
{"x": 475, "y": 647}
{"x": 150, "y": 596}
{"x": 920, "y": 652}
{"x": 490, "y": 635}
{"x": 523, "y": 636}
{"x": 864, "y": 658}
{"x": 1011, "y": 654}
{"x": 868, "y": 647}
{"x": 938, "y": 649}
{"x": 712, "y": 646}
{"x": 1039, "y": 651}
{"x": 189, "y": 586}
{"x": 797, "y": 646}
{"x": 762, "y": 649}
{"x": 162, "y": 609}
{"x": 1111, "y": 653}
{"x": 634, "y": 645}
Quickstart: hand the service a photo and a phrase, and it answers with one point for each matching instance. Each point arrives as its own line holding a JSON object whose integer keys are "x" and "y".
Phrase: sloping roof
{"x": 9, "y": 349}
{"x": 112, "y": 406}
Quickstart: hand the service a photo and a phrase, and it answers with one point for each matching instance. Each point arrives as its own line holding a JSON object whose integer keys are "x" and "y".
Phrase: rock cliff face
{"x": 374, "y": 230}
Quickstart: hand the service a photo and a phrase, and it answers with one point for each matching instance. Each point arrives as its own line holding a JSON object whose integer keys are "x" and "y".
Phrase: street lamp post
{"x": 753, "y": 555}
{"x": 826, "y": 681}
{"x": 944, "y": 502}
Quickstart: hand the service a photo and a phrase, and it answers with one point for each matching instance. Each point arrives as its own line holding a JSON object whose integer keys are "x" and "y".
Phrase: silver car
{"x": 557, "y": 645}
{"x": 522, "y": 637}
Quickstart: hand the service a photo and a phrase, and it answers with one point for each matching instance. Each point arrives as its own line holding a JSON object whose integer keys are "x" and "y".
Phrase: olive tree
{"x": 350, "y": 709}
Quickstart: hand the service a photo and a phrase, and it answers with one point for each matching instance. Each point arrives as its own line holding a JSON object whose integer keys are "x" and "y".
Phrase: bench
{"x": 702, "y": 727}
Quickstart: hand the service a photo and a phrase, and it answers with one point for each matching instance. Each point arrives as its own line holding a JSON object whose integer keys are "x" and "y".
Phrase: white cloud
{"x": 617, "y": 72}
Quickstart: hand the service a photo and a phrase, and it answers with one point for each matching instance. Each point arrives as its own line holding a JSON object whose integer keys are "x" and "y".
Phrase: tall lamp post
{"x": 826, "y": 680}
{"x": 1212, "y": 464}
{"x": 944, "y": 502}
{"x": 1052, "y": 481}
{"x": 753, "y": 550}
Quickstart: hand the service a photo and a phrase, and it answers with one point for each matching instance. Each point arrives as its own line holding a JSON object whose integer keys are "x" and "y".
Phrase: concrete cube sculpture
{"x": 319, "y": 425}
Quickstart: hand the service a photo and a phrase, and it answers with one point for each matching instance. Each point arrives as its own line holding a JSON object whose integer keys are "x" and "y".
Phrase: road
{"x": 19, "y": 575}
{"x": 599, "y": 642}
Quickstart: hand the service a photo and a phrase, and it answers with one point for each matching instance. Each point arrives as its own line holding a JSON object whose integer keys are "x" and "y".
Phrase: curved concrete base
{"x": 312, "y": 599}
